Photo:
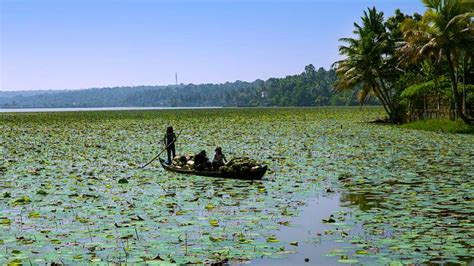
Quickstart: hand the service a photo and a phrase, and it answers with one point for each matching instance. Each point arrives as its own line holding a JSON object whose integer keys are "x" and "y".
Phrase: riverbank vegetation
{"x": 412, "y": 62}
{"x": 441, "y": 125}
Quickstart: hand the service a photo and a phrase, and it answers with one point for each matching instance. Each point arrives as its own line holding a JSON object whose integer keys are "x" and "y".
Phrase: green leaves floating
{"x": 65, "y": 187}
{"x": 21, "y": 201}
{"x": 123, "y": 181}
{"x": 5, "y": 221}
{"x": 32, "y": 215}
{"x": 272, "y": 239}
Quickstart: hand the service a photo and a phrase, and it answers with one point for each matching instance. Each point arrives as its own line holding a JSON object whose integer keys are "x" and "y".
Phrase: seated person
{"x": 201, "y": 161}
{"x": 219, "y": 159}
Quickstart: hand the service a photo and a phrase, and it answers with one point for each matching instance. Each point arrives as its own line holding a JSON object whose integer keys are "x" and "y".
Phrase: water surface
{"x": 82, "y": 109}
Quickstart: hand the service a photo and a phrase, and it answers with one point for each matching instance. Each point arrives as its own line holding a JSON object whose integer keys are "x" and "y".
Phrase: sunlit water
{"x": 305, "y": 230}
{"x": 412, "y": 190}
{"x": 82, "y": 109}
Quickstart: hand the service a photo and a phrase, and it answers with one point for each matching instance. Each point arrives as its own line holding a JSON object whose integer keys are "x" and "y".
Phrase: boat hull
{"x": 252, "y": 175}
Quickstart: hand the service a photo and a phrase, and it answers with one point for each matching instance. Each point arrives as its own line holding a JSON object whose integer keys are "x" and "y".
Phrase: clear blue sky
{"x": 72, "y": 44}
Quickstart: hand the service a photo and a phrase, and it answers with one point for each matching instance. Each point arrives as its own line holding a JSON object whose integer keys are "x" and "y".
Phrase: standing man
{"x": 169, "y": 139}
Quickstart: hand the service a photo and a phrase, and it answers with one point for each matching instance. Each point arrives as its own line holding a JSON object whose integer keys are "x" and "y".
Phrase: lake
{"x": 339, "y": 190}
{"x": 84, "y": 109}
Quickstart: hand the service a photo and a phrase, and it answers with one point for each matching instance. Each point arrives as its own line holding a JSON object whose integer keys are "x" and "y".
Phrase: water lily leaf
{"x": 348, "y": 261}
{"x": 56, "y": 241}
{"x": 123, "y": 181}
{"x": 272, "y": 239}
{"x": 210, "y": 207}
{"x": 215, "y": 239}
{"x": 34, "y": 215}
{"x": 42, "y": 192}
{"x": 5, "y": 221}
{"x": 15, "y": 262}
{"x": 214, "y": 223}
{"x": 361, "y": 252}
{"x": 21, "y": 201}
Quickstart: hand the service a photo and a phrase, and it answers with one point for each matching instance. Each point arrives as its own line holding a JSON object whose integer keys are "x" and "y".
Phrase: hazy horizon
{"x": 67, "y": 45}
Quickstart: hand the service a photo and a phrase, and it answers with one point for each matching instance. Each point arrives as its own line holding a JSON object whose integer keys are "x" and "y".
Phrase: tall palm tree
{"x": 445, "y": 32}
{"x": 367, "y": 57}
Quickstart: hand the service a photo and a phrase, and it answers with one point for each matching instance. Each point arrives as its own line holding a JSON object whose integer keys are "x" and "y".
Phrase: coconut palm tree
{"x": 445, "y": 32}
{"x": 366, "y": 63}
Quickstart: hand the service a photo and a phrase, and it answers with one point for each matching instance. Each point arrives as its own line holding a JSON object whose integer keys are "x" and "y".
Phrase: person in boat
{"x": 169, "y": 140}
{"x": 219, "y": 159}
{"x": 201, "y": 161}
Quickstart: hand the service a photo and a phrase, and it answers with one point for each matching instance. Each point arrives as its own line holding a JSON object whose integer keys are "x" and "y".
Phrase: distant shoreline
{"x": 86, "y": 109}
{"x": 131, "y": 108}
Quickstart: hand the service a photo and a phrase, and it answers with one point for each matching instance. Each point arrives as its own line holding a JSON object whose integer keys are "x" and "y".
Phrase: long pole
{"x": 162, "y": 150}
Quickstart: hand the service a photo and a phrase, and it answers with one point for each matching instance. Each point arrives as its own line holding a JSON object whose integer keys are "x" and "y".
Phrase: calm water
{"x": 34, "y": 110}
{"x": 383, "y": 176}
{"x": 304, "y": 230}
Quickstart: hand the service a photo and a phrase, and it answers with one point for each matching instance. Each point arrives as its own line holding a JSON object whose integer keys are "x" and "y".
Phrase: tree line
{"x": 411, "y": 61}
{"x": 313, "y": 87}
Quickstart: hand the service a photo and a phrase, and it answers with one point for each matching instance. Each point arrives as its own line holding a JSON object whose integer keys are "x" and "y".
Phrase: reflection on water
{"x": 305, "y": 229}
{"x": 365, "y": 201}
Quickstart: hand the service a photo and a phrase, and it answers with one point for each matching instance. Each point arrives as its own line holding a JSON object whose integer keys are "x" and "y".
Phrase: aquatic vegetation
{"x": 414, "y": 190}
{"x": 71, "y": 189}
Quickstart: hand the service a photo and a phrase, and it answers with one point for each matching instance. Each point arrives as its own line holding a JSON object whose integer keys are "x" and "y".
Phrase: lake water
{"x": 72, "y": 190}
{"x": 82, "y": 109}
{"x": 304, "y": 230}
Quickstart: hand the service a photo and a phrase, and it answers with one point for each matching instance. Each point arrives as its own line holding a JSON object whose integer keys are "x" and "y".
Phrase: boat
{"x": 255, "y": 174}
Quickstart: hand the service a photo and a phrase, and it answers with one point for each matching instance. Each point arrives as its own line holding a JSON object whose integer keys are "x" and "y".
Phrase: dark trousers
{"x": 170, "y": 150}
{"x": 203, "y": 166}
{"x": 216, "y": 165}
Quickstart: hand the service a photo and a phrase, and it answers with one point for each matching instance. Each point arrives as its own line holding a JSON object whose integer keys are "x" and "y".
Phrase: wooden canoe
{"x": 252, "y": 175}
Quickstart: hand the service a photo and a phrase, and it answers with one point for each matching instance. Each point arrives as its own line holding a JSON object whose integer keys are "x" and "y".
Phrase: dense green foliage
{"x": 415, "y": 53}
{"x": 445, "y": 34}
{"x": 369, "y": 65}
{"x": 72, "y": 192}
{"x": 310, "y": 88}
